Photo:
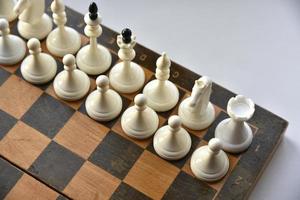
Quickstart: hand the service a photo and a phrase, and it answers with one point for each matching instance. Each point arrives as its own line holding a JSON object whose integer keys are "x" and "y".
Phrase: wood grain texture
{"x": 81, "y": 135}
{"x": 27, "y": 188}
{"x": 151, "y": 175}
{"x": 92, "y": 183}
{"x": 19, "y": 96}
{"x": 23, "y": 145}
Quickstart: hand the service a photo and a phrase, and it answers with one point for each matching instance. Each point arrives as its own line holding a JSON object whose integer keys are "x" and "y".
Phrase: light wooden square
{"x": 23, "y": 144}
{"x": 17, "y": 96}
{"x": 151, "y": 175}
{"x": 92, "y": 182}
{"x": 28, "y": 188}
{"x": 81, "y": 135}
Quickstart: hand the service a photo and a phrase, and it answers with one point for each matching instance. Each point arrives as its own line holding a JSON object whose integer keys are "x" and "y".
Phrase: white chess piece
{"x": 94, "y": 58}
{"x": 210, "y": 162}
{"x": 162, "y": 94}
{"x": 33, "y": 22}
{"x": 62, "y": 40}
{"x": 172, "y": 142}
{"x": 12, "y": 48}
{"x": 234, "y": 132}
{"x": 139, "y": 121}
{"x": 126, "y": 76}
{"x": 71, "y": 84}
{"x": 103, "y": 104}
{"x": 196, "y": 112}
{"x": 38, "y": 67}
{"x": 6, "y": 10}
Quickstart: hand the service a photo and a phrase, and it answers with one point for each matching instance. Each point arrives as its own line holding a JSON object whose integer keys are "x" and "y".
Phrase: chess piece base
{"x": 130, "y": 82}
{"x": 62, "y": 42}
{"x": 103, "y": 114}
{"x": 159, "y": 140}
{"x": 16, "y": 51}
{"x": 39, "y": 30}
{"x": 206, "y": 174}
{"x": 224, "y": 133}
{"x": 39, "y": 76}
{"x": 195, "y": 120}
{"x": 161, "y": 98}
{"x": 93, "y": 63}
{"x": 68, "y": 93}
{"x": 139, "y": 130}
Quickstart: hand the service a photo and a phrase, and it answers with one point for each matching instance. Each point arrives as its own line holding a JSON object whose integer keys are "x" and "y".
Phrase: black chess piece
{"x": 93, "y": 10}
{"x": 126, "y": 35}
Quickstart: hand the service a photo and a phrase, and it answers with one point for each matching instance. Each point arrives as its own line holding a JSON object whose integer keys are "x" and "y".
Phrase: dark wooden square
{"x": 56, "y": 165}
{"x": 3, "y": 76}
{"x": 48, "y": 115}
{"x": 9, "y": 175}
{"x": 187, "y": 187}
{"x": 126, "y": 192}
{"x": 116, "y": 155}
{"x": 7, "y": 122}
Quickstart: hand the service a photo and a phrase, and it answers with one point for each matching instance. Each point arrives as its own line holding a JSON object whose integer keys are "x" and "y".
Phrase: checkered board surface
{"x": 51, "y": 149}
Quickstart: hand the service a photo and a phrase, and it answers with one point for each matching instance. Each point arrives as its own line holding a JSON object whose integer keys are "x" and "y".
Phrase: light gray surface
{"x": 251, "y": 47}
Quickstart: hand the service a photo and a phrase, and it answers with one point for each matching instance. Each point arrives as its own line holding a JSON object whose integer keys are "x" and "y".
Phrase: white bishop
{"x": 62, "y": 40}
{"x": 162, "y": 94}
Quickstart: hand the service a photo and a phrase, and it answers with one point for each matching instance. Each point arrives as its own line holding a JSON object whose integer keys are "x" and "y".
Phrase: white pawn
{"x": 6, "y": 9}
{"x": 234, "y": 132}
{"x": 71, "y": 84}
{"x": 162, "y": 94}
{"x": 62, "y": 40}
{"x": 139, "y": 121}
{"x": 196, "y": 111}
{"x": 172, "y": 142}
{"x": 210, "y": 162}
{"x": 33, "y": 21}
{"x": 103, "y": 104}
{"x": 38, "y": 67}
{"x": 12, "y": 48}
{"x": 126, "y": 76}
{"x": 94, "y": 58}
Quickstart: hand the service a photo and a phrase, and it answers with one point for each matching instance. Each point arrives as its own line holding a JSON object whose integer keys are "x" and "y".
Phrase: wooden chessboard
{"x": 51, "y": 149}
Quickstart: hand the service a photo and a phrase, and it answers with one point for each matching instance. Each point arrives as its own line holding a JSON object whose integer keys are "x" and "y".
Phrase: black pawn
{"x": 126, "y": 35}
{"x": 93, "y": 10}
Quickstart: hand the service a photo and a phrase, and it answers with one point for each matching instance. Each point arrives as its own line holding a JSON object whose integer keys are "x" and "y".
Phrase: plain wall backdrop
{"x": 251, "y": 47}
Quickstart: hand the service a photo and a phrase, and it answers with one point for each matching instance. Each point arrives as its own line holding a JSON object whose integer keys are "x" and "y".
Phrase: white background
{"x": 251, "y": 47}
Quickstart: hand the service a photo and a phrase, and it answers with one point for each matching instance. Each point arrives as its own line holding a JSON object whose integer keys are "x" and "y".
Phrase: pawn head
{"x": 140, "y": 100}
{"x": 215, "y": 145}
{"x": 126, "y": 35}
{"x": 3, "y": 25}
{"x": 174, "y": 122}
{"x": 93, "y": 10}
{"x": 69, "y": 62}
{"x": 102, "y": 81}
{"x": 34, "y": 45}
